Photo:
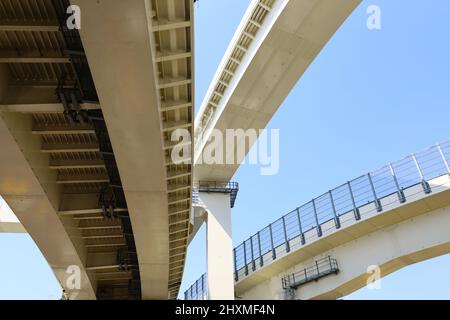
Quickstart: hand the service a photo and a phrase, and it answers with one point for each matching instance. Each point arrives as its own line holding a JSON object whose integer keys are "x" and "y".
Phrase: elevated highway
{"x": 52, "y": 170}
{"x": 273, "y": 46}
{"x": 91, "y": 162}
{"x": 141, "y": 55}
{"x": 392, "y": 217}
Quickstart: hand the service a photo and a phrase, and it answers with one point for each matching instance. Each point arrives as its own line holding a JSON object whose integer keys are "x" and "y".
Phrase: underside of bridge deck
{"x": 58, "y": 152}
{"x": 141, "y": 57}
{"x": 273, "y": 47}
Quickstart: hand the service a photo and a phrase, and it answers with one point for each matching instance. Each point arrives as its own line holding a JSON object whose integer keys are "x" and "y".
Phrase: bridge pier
{"x": 219, "y": 246}
{"x": 217, "y": 199}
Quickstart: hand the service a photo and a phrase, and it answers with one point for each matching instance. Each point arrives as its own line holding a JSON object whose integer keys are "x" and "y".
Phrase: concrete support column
{"x": 219, "y": 246}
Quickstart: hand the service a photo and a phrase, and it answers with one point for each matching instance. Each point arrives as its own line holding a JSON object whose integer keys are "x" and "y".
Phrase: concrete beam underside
{"x": 29, "y": 188}
{"x": 118, "y": 44}
{"x": 290, "y": 39}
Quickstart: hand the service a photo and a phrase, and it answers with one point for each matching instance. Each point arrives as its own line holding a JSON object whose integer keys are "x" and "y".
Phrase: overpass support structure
{"x": 58, "y": 172}
{"x": 141, "y": 54}
{"x": 217, "y": 199}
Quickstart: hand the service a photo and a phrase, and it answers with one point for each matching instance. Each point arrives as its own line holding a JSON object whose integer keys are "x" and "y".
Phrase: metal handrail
{"x": 230, "y": 187}
{"x": 198, "y": 291}
{"x": 215, "y": 185}
{"x": 319, "y": 269}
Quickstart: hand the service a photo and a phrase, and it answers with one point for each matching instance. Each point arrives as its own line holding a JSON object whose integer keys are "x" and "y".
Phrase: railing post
{"x": 236, "y": 275}
{"x": 400, "y": 193}
{"x": 288, "y": 248}
{"x": 203, "y": 287}
{"x": 302, "y": 236}
{"x": 425, "y": 184}
{"x": 317, "y": 267}
{"x": 329, "y": 260}
{"x": 355, "y": 209}
{"x": 443, "y": 157}
{"x": 274, "y": 254}
{"x": 319, "y": 229}
{"x": 337, "y": 221}
{"x": 245, "y": 259}
{"x": 376, "y": 200}
{"x": 196, "y": 290}
{"x": 252, "y": 253}
{"x": 261, "y": 258}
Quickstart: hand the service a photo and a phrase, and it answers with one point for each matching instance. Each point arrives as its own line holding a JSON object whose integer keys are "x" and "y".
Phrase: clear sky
{"x": 370, "y": 97}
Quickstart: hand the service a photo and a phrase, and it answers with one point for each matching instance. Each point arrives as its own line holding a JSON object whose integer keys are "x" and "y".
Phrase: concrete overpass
{"x": 150, "y": 47}
{"x": 392, "y": 217}
{"x": 91, "y": 163}
{"x": 273, "y": 46}
{"x": 145, "y": 97}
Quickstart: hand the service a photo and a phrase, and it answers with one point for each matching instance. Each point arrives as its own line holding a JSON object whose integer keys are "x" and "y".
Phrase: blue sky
{"x": 370, "y": 97}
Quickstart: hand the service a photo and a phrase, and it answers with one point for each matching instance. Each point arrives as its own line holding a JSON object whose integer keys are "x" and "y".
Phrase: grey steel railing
{"x": 328, "y": 211}
{"x": 198, "y": 291}
{"x": 321, "y": 268}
